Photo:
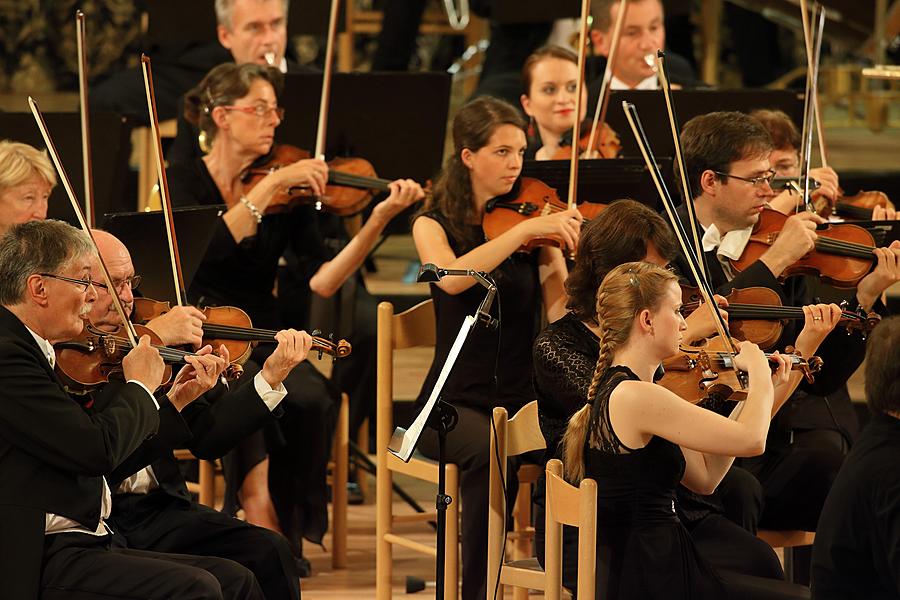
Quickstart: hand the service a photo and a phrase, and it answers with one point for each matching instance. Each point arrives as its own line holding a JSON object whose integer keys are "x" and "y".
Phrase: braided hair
{"x": 625, "y": 292}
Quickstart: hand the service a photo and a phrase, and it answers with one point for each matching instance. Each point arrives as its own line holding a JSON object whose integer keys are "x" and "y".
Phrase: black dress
{"x": 243, "y": 274}
{"x": 643, "y": 550}
{"x": 565, "y": 354}
{"x": 493, "y": 369}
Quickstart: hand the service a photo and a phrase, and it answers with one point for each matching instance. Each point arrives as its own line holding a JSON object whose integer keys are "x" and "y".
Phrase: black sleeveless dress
{"x": 643, "y": 550}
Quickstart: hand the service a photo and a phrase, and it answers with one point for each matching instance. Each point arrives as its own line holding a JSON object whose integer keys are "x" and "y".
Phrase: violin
{"x": 95, "y": 357}
{"x": 854, "y": 208}
{"x": 696, "y": 373}
{"x": 756, "y": 314}
{"x": 528, "y": 199}
{"x": 606, "y": 143}
{"x": 842, "y": 257}
{"x": 230, "y": 326}
{"x": 351, "y": 182}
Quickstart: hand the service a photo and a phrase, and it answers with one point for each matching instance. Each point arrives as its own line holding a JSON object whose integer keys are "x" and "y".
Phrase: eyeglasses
{"x": 119, "y": 284}
{"x": 769, "y": 177}
{"x": 82, "y": 283}
{"x": 260, "y": 110}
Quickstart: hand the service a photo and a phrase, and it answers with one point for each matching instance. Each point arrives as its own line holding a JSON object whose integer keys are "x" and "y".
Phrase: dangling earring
{"x": 203, "y": 141}
{"x": 531, "y": 127}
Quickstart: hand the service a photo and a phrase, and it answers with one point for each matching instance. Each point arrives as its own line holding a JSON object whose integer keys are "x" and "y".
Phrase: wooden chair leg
{"x": 362, "y": 478}
{"x": 339, "y": 486}
{"x": 207, "y": 482}
{"x": 451, "y": 556}
{"x": 383, "y": 526}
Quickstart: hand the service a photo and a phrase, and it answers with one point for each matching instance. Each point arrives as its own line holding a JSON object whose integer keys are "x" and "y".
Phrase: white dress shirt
{"x": 651, "y": 83}
{"x": 55, "y": 523}
{"x": 728, "y": 247}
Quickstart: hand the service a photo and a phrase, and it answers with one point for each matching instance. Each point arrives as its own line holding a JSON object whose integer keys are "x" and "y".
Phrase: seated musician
{"x": 493, "y": 367}
{"x": 857, "y": 550}
{"x": 785, "y": 159}
{"x": 566, "y": 352}
{"x": 152, "y": 508}
{"x": 643, "y": 33}
{"x": 549, "y": 84}
{"x": 638, "y": 440}
{"x": 237, "y": 106}
{"x": 26, "y": 180}
{"x": 53, "y": 454}
{"x": 727, "y": 161}
{"x": 252, "y": 31}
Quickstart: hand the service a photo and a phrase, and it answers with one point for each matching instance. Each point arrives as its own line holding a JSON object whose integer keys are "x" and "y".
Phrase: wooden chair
{"x": 411, "y": 328}
{"x": 566, "y": 505}
{"x": 787, "y": 541}
{"x": 511, "y": 437}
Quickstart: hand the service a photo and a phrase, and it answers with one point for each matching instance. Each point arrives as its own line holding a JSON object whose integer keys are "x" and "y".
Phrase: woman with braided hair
{"x": 639, "y": 441}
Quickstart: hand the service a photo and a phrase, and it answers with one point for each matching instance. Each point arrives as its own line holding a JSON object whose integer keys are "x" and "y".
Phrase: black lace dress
{"x": 643, "y": 551}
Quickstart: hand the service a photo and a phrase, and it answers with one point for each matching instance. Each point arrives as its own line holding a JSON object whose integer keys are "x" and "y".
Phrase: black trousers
{"x": 468, "y": 446}
{"x": 162, "y": 523}
{"x": 796, "y": 474}
{"x": 298, "y": 445}
{"x": 84, "y": 567}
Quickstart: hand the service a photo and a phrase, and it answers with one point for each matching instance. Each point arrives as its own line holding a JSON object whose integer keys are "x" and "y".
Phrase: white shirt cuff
{"x": 272, "y": 397}
{"x": 149, "y": 393}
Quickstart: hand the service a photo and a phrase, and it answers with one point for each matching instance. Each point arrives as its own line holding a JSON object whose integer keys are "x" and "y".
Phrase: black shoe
{"x": 304, "y": 568}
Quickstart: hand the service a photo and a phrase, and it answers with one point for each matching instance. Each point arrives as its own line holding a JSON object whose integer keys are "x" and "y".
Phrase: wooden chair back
{"x": 568, "y": 505}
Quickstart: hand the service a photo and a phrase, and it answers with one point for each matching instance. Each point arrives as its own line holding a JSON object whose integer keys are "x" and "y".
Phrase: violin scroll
{"x": 323, "y": 345}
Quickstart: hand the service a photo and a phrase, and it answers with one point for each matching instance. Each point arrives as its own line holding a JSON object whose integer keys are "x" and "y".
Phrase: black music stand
{"x": 144, "y": 234}
{"x": 110, "y": 144}
{"x": 397, "y": 121}
{"x": 689, "y": 104}
{"x": 603, "y": 180}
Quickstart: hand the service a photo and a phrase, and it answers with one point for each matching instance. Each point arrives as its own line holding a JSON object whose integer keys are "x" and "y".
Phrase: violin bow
{"x": 813, "y": 55}
{"x": 603, "y": 98}
{"x": 67, "y": 185}
{"x": 579, "y": 89}
{"x": 811, "y": 101}
{"x": 693, "y": 260}
{"x": 85, "y": 124}
{"x": 165, "y": 199}
{"x": 686, "y": 191}
{"x": 326, "y": 82}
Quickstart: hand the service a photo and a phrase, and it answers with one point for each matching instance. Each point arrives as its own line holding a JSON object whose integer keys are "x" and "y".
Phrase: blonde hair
{"x": 20, "y": 162}
{"x": 625, "y": 292}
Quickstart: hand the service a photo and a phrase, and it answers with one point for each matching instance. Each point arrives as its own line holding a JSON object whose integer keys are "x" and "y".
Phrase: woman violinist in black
{"x": 494, "y": 366}
{"x": 237, "y": 108}
{"x": 639, "y": 441}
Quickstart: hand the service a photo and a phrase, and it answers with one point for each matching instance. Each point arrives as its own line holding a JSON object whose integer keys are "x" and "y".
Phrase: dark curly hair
{"x": 622, "y": 233}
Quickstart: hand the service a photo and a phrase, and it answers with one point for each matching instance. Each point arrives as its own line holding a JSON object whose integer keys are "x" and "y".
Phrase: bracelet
{"x": 253, "y": 210}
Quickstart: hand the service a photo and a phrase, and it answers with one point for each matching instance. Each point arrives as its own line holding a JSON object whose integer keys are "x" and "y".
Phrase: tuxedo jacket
{"x": 53, "y": 453}
{"x": 841, "y": 353}
{"x": 209, "y": 427}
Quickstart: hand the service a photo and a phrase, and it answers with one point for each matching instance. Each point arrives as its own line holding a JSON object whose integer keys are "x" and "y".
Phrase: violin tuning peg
{"x": 316, "y": 332}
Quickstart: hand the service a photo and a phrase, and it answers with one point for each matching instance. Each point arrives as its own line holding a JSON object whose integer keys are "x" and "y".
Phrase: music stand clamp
{"x": 438, "y": 414}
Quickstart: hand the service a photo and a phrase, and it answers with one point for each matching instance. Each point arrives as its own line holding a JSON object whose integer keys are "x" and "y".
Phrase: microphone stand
{"x": 438, "y": 414}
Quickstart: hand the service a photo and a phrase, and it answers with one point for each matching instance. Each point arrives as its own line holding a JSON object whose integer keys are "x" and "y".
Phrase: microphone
{"x": 430, "y": 273}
